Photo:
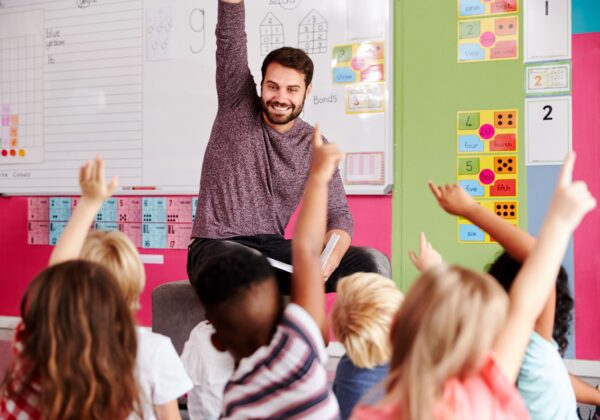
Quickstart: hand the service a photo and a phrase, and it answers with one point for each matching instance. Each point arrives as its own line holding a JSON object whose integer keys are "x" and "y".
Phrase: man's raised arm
{"x": 233, "y": 75}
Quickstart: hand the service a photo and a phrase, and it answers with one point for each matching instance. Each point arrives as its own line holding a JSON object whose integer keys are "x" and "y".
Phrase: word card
{"x": 60, "y": 209}
{"x": 133, "y": 231}
{"x": 487, "y": 131}
{"x": 363, "y": 62}
{"x": 108, "y": 212}
{"x": 106, "y": 226}
{"x": 178, "y": 235}
{"x": 38, "y": 232}
{"x": 130, "y": 209}
{"x": 468, "y": 232}
{"x": 473, "y": 8}
{"x": 56, "y": 230}
{"x": 365, "y": 98}
{"x": 154, "y": 209}
{"x": 364, "y": 168}
{"x": 154, "y": 235}
{"x": 178, "y": 210}
{"x": 488, "y": 39}
{"x": 548, "y": 79}
{"x": 486, "y": 176}
{"x": 38, "y": 208}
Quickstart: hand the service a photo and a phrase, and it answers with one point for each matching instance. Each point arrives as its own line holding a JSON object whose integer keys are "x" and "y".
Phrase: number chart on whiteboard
{"x": 134, "y": 81}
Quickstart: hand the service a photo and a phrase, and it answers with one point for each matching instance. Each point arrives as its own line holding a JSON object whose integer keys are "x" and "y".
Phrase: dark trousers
{"x": 356, "y": 259}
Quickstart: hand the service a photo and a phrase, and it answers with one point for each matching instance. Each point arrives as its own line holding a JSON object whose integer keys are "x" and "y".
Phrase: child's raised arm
{"x": 532, "y": 286}
{"x": 93, "y": 193}
{"x": 307, "y": 288}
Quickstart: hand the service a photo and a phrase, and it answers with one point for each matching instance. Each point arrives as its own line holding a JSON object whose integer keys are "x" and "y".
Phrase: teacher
{"x": 258, "y": 156}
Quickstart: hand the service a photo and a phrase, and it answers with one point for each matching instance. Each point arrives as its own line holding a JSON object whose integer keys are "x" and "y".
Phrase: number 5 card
{"x": 488, "y": 176}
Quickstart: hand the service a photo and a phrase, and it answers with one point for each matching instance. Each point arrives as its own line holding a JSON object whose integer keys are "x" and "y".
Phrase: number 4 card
{"x": 487, "y": 131}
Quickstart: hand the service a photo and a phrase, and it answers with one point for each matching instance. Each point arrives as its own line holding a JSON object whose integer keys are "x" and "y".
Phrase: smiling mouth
{"x": 280, "y": 107}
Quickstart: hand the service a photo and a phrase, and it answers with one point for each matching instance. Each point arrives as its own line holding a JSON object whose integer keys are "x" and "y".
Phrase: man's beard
{"x": 278, "y": 119}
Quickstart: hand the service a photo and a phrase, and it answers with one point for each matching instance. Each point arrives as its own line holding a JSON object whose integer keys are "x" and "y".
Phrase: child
{"x": 361, "y": 316}
{"x": 543, "y": 381}
{"x": 458, "y": 344}
{"x": 161, "y": 376}
{"x": 74, "y": 350}
{"x": 279, "y": 352}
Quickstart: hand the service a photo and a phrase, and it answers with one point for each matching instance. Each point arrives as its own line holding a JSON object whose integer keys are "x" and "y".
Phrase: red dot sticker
{"x": 22, "y": 152}
{"x": 4, "y": 153}
{"x": 13, "y": 152}
{"x": 487, "y": 176}
{"x": 487, "y": 39}
{"x": 487, "y": 131}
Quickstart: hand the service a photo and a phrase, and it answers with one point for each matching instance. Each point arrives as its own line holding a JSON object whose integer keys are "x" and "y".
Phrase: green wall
{"x": 430, "y": 88}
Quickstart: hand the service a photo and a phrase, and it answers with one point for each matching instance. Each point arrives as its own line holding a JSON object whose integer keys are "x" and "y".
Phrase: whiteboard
{"x": 134, "y": 80}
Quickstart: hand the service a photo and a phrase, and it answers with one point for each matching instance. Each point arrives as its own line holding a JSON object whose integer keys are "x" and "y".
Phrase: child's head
{"x": 444, "y": 329}
{"x": 78, "y": 339}
{"x": 505, "y": 270}
{"x": 362, "y": 315}
{"x": 238, "y": 289}
{"x": 115, "y": 251}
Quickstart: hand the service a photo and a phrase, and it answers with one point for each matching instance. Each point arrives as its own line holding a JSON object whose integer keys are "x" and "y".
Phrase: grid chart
{"x": 312, "y": 33}
{"x": 271, "y": 34}
{"x": 21, "y": 89}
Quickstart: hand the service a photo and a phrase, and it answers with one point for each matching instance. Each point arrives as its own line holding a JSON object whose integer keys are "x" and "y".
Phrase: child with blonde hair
{"x": 361, "y": 317}
{"x": 458, "y": 340}
{"x": 161, "y": 376}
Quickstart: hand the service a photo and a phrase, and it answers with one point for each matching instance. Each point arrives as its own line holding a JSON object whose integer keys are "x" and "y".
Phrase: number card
{"x": 106, "y": 226}
{"x": 474, "y": 8}
{"x": 38, "y": 208}
{"x": 548, "y": 130}
{"x": 56, "y": 230}
{"x": 548, "y": 79}
{"x": 133, "y": 231}
{"x": 468, "y": 232}
{"x": 547, "y": 30}
{"x": 488, "y": 39}
{"x": 178, "y": 210}
{"x": 60, "y": 209}
{"x": 154, "y": 235}
{"x": 38, "y": 232}
{"x": 108, "y": 212}
{"x": 488, "y": 131}
{"x": 363, "y": 62}
{"x": 154, "y": 209}
{"x": 487, "y": 176}
{"x": 178, "y": 235}
{"x": 365, "y": 98}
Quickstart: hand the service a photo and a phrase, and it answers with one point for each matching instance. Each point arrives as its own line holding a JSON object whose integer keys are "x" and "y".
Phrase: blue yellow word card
{"x": 487, "y": 131}
{"x": 468, "y": 232}
{"x": 472, "y": 8}
{"x": 488, "y": 39}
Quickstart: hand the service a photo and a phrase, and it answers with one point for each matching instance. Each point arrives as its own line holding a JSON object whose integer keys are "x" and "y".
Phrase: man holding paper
{"x": 258, "y": 157}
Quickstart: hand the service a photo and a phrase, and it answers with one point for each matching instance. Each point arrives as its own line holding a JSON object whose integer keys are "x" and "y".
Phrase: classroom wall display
{"x": 150, "y": 222}
{"x": 134, "y": 80}
{"x": 548, "y": 79}
{"x": 486, "y": 7}
{"x": 487, "y": 165}
{"x": 488, "y": 39}
{"x": 548, "y": 130}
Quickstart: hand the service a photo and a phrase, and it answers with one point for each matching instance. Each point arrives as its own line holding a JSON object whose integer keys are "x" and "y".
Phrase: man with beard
{"x": 257, "y": 160}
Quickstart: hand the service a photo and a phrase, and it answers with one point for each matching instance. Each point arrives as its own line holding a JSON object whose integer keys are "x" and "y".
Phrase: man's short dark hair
{"x": 230, "y": 271}
{"x": 292, "y": 58}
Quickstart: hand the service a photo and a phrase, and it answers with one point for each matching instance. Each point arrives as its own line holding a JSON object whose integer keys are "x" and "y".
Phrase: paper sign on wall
{"x": 356, "y": 63}
{"x": 548, "y": 79}
{"x": 547, "y": 30}
{"x": 364, "y": 168}
{"x": 468, "y": 232}
{"x": 487, "y": 131}
{"x": 473, "y": 8}
{"x": 548, "y": 131}
{"x": 365, "y": 98}
{"x": 488, "y": 39}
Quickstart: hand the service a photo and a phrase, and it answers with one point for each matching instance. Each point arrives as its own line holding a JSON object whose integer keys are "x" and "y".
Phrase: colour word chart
{"x": 150, "y": 222}
{"x": 507, "y": 209}
{"x": 487, "y": 165}
{"x": 488, "y": 39}
{"x": 363, "y": 62}
{"x": 473, "y": 8}
{"x": 487, "y": 131}
{"x": 21, "y": 88}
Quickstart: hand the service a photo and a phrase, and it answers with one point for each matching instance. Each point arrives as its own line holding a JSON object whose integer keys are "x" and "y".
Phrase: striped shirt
{"x": 287, "y": 378}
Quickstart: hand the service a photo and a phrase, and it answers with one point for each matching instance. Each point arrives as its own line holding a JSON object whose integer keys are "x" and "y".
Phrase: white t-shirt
{"x": 160, "y": 373}
{"x": 209, "y": 370}
{"x": 286, "y": 378}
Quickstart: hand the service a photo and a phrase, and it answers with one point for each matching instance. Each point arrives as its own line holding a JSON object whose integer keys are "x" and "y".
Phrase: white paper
{"x": 366, "y": 19}
{"x": 547, "y": 27}
{"x": 548, "y": 79}
{"x": 548, "y": 130}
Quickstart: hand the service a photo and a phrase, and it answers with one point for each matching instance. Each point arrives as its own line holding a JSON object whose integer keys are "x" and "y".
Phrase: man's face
{"x": 283, "y": 92}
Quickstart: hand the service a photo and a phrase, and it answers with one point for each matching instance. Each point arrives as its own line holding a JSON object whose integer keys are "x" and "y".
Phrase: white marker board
{"x": 134, "y": 80}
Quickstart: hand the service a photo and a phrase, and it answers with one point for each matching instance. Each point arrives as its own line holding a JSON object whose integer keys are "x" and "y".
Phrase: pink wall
{"x": 586, "y": 140}
{"x": 20, "y": 262}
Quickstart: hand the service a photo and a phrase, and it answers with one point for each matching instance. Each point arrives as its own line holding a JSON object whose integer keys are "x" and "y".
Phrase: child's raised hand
{"x": 325, "y": 157}
{"x": 452, "y": 198}
{"x": 92, "y": 183}
{"x": 428, "y": 256}
{"x": 571, "y": 200}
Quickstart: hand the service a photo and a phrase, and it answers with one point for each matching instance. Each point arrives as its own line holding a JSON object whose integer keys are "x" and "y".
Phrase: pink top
{"x": 487, "y": 395}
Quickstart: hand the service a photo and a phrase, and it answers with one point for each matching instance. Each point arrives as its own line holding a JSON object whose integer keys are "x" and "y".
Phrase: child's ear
{"x": 216, "y": 343}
